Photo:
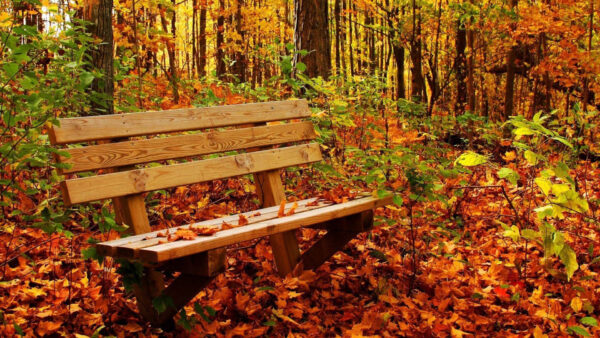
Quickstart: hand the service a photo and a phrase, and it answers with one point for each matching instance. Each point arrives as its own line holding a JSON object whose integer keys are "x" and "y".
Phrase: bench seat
{"x": 153, "y": 247}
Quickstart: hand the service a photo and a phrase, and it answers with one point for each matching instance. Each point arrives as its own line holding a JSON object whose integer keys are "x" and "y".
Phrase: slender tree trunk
{"x": 310, "y": 34}
{"x": 350, "y": 39}
{"x": 239, "y": 67}
{"x": 172, "y": 73}
{"x": 471, "y": 70}
{"x": 509, "y": 91}
{"x": 99, "y": 14}
{"x": 336, "y": 14}
{"x": 220, "y": 68}
{"x": 343, "y": 39}
{"x": 195, "y": 56}
{"x": 586, "y": 86}
{"x": 460, "y": 68}
{"x": 202, "y": 42}
{"x": 417, "y": 79}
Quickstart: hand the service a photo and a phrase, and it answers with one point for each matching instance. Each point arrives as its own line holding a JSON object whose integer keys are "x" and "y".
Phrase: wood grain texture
{"x": 119, "y": 154}
{"x": 172, "y": 250}
{"x": 283, "y": 244}
{"x": 142, "y": 180}
{"x": 82, "y": 129}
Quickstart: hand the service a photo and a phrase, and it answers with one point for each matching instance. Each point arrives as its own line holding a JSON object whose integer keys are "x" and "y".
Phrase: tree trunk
{"x": 417, "y": 79}
{"x": 350, "y": 39}
{"x": 471, "y": 70}
{"x": 239, "y": 67}
{"x": 195, "y": 56}
{"x": 509, "y": 91}
{"x": 310, "y": 34}
{"x": 586, "y": 86}
{"x": 220, "y": 68}
{"x": 172, "y": 73}
{"x": 202, "y": 42}
{"x": 99, "y": 14}
{"x": 460, "y": 68}
{"x": 336, "y": 13}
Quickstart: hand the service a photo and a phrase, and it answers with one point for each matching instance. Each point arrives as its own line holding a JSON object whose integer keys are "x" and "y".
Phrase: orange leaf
{"x": 226, "y": 226}
{"x": 281, "y": 212}
{"x": 292, "y": 209}
{"x": 242, "y": 220}
{"x": 204, "y": 231}
{"x": 185, "y": 234}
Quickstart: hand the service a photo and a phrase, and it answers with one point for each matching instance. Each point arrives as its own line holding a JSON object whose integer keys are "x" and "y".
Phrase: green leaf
{"x": 398, "y": 200}
{"x": 569, "y": 259}
{"x": 162, "y": 302}
{"x": 18, "y": 329}
{"x": 184, "y": 320}
{"x": 89, "y": 253}
{"x": 301, "y": 67}
{"x": 471, "y": 159}
{"x": 269, "y": 323}
{"x": 86, "y": 79}
{"x": 578, "y": 330}
{"x": 589, "y": 321}
{"x": 378, "y": 254}
{"x": 509, "y": 174}
{"x": 11, "y": 69}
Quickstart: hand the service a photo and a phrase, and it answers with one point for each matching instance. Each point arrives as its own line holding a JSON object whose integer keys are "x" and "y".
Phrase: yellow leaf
{"x": 576, "y": 304}
{"x": 458, "y": 333}
{"x": 5, "y": 19}
{"x": 34, "y": 292}
{"x": 538, "y": 333}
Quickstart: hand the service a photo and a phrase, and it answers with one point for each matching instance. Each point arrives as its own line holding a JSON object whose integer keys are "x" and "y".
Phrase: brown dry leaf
{"x": 204, "y": 231}
{"x": 313, "y": 203}
{"x": 132, "y": 327}
{"x": 226, "y": 226}
{"x": 242, "y": 220}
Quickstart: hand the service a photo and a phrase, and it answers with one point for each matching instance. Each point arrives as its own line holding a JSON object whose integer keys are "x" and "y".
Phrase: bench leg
{"x": 197, "y": 272}
{"x": 150, "y": 287}
{"x": 181, "y": 291}
{"x": 285, "y": 251}
{"x": 340, "y": 232}
{"x": 284, "y": 245}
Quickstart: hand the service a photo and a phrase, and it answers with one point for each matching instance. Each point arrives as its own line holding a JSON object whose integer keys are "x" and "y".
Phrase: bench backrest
{"x": 115, "y": 144}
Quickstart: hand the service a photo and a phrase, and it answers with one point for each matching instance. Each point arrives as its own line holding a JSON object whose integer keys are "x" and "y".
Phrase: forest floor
{"x": 470, "y": 279}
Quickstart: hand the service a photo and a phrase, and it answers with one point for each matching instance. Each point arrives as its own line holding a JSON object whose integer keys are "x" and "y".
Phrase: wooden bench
{"x": 116, "y": 144}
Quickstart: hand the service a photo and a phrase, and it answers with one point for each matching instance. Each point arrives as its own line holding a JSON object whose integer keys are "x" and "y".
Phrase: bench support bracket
{"x": 339, "y": 233}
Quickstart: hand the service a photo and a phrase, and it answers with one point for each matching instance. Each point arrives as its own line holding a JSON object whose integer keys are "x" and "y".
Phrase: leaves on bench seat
{"x": 187, "y": 234}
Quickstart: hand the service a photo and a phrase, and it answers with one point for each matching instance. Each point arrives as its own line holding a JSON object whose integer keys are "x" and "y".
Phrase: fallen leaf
{"x": 242, "y": 220}
{"x": 281, "y": 211}
{"x": 292, "y": 209}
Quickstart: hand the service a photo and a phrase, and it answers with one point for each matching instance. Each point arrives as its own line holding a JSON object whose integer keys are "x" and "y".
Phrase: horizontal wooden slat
{"x": 81, "y": 129}
{"x": 172, "y": 250}
{"x": 111, "y": 155}
{"x": 141, "y": 180}
{"x": 127, "y": 247}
